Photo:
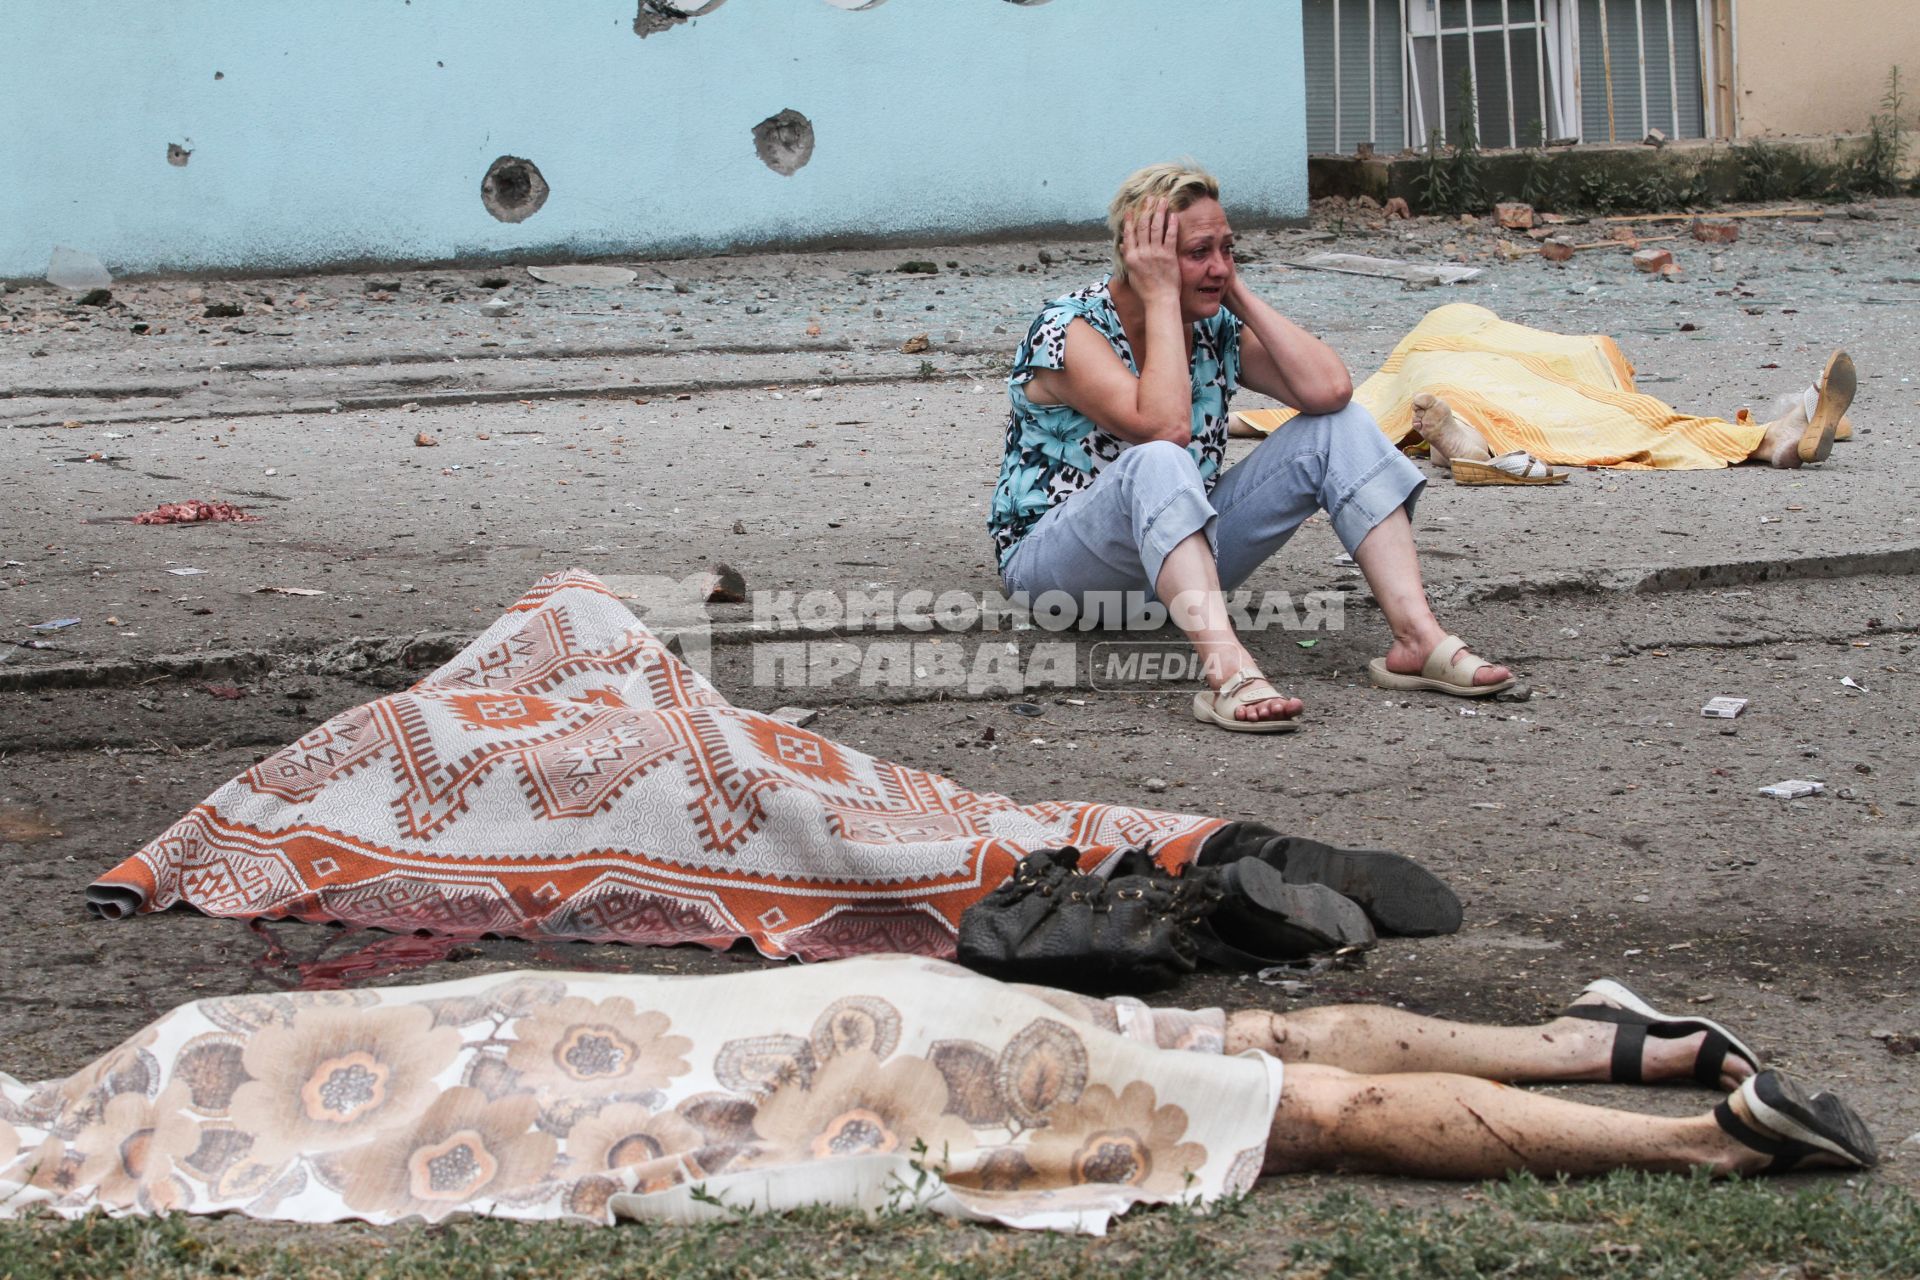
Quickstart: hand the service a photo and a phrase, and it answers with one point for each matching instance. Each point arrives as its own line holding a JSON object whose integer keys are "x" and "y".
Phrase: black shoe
{"x": 1262, "y": 920}
{"x": 1796, "y": 1130}
{"x": 1399, "y": 895}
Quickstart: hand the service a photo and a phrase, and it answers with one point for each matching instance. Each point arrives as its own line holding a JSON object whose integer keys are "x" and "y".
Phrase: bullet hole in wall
{"x": 513, "y": 189}
{"x": 177, "y": 155}
{"x": 656, "y": 16}
{"x": 784, "y": 142}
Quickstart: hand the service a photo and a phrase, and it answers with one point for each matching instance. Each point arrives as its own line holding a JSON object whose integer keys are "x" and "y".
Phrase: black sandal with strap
{"x": 1636, "y": 1020}
{"x": 1799, "y": 1128}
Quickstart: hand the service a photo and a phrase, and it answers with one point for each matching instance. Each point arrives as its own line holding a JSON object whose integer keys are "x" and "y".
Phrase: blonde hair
{"x": 1181, "y": 185}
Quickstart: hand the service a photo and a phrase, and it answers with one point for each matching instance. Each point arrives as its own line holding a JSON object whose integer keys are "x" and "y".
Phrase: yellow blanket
{"x": 1565, "y": 400}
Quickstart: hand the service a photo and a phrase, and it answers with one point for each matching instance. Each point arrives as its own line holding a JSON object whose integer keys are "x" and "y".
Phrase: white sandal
{"x": 1440, "y": 673}
{"x": 1217, "y": 708}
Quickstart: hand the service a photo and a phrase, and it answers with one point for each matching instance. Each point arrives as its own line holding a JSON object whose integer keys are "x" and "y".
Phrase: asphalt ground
{"x": 1601, "y": 828}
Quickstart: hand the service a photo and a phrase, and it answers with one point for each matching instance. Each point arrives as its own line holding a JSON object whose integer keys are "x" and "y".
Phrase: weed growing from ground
{"x": 1877, "y": 173}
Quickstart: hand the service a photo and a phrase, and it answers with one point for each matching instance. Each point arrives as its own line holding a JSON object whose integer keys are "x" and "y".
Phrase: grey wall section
{"x": 259, "y": 135}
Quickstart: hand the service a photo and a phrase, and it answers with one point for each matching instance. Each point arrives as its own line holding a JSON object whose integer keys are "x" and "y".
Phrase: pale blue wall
{"x": 336, "y": 134}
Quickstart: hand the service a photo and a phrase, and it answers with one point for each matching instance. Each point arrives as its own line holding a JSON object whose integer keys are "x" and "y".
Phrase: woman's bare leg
{"x": 1376, "y": 1040}
{"x": 1449, "y": 1126}
{"x": 1387, "y": 558}
{"x": 1189, "y": 585}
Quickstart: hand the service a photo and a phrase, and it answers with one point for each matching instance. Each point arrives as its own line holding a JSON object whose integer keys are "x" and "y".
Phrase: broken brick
{"x": 1652, "y": 260}
{"x": 1716, "y": 230}
{"x": 1557, "y": 251}
{"x": 1514, "y": 215}
{"x": 1397, "y": 208}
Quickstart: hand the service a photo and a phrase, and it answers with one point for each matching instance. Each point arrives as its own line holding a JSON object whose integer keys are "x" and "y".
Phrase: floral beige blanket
{"x": 893, "y": 1081}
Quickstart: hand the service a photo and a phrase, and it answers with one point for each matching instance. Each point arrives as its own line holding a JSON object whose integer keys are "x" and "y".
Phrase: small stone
{"x": 1655, "y": 138}
{"x": 1046, "y": 258}
{"x": 1397, "y": 208}
{"x": 915, "y": 345}
{"x": 1652, "y": 260}
{"x": 1155, "y": 785}
{"x": 1824, "y": 237}
{"x": 422, "y": 440}
{"x": 224, "y": 310}
{"x": 725, "y": 585}
{"x": 798, "y": 717}
{"x": 96, "y": 297}
{"x": 739, "y": 526}
{"x": 382, "y": 286}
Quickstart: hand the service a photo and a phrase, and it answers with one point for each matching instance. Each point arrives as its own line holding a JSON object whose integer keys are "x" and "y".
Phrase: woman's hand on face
{"x": 1236, "y": 291}
{"x": 1149, "y": 246}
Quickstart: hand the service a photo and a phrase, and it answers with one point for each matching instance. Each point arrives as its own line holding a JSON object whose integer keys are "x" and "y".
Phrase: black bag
{"x": 1057, "y": 926}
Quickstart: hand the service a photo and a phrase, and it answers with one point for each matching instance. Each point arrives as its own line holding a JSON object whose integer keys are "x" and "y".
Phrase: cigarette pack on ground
{"x": 1793, "y": 789}
{"x": 1723, "y": 708}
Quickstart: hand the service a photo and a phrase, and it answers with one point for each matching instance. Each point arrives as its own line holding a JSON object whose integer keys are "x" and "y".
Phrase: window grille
{"x": 1390, "y": 72}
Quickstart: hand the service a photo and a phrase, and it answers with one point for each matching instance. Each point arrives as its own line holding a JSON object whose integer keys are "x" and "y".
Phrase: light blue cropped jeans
{"x": 1115, "y": 534}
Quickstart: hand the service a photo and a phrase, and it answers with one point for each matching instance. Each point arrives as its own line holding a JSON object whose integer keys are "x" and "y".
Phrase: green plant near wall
{"x": 1877, "y": 172}
{"x": 1769, "y": 173}
{"x": 1545, "y": 186}
{"x": 1433, "y": 180}
{"x": 1452, "y": 179}
{"x": 1468, "y": 167}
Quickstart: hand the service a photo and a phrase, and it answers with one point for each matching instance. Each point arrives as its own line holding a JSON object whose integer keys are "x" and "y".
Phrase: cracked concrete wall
{"x": 222, "y": 134}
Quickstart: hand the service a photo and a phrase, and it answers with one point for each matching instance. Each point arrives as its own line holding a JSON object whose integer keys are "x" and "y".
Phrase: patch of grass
{"x": 1677, "y": 1228}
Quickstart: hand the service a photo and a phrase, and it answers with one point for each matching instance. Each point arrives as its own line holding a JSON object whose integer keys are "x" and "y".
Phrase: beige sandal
{"x": 1518, "y": 467}
{"x": 1440, "y": 674}
{"x": 1832, "y": 397}
{"x": 1217, "y": 708}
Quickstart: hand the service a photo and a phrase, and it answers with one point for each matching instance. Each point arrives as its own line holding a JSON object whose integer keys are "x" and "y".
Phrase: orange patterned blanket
{"x": 566, "y": 777}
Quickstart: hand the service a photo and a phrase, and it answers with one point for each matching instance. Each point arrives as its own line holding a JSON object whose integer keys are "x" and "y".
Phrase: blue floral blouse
{"x": 1054, "y": 451}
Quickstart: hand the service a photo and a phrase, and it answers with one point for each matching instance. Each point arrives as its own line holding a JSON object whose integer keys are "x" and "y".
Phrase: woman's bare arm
{"x": 1158, "y": 404}
{"x": 1280, "y": 359}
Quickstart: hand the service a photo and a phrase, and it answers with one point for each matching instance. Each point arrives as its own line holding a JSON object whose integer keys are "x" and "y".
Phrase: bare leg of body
{"x": 1450, "y": 1126}
{"x": 1375, "y": 1040}
{"x": 1392, "y": 568}
{"x": 1190, "y": 585}
{"x": 1446, "y": 436}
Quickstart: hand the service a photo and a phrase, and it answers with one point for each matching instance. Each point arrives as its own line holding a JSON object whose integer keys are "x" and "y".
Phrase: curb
{"x": 425, "y": 650}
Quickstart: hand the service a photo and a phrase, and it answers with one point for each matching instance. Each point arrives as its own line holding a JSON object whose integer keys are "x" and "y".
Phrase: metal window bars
{"x": 1548, "y": 34}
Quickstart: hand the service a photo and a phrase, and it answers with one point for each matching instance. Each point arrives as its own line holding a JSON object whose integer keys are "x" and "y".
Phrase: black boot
{"x": 1399, "y": 895}
{"x": 1262, "y": 920}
